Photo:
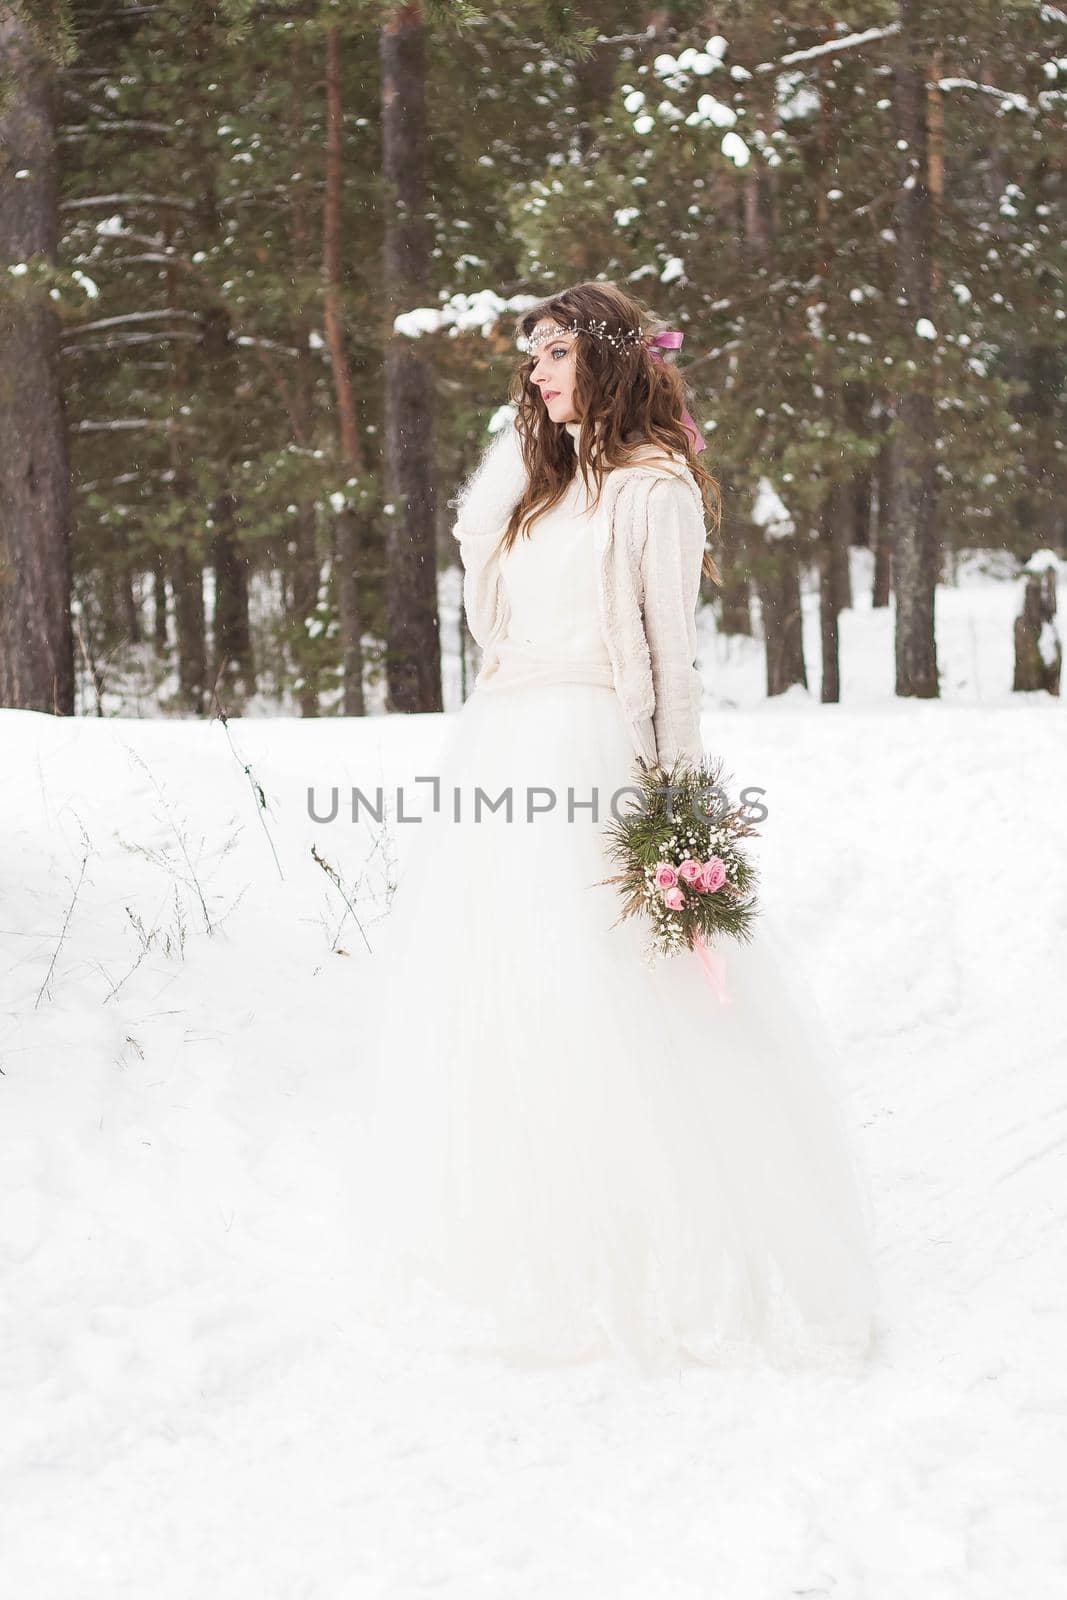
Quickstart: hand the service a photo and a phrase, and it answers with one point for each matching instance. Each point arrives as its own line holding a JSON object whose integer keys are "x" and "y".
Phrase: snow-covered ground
{"x": 191, "y": 1402}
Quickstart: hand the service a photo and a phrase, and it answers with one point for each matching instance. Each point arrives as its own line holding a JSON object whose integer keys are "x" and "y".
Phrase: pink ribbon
{"x": 671, "y": 339}
{"x": 714, "y": 966}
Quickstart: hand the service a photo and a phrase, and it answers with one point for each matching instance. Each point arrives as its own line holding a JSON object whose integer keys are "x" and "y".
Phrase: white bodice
{"x": 553, "y": 633}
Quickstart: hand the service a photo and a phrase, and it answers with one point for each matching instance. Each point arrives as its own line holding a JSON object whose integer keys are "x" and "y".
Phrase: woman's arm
{"x": 670, "y": 569}
{"x": 484, "y": 504}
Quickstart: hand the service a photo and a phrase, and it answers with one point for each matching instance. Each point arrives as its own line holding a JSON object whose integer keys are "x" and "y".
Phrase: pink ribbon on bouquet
{"x": 671, "y": 339}
{"x": 714, "y": 966}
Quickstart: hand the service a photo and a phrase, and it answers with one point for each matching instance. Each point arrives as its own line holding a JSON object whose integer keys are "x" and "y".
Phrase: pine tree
{"x": 36, "y": 644}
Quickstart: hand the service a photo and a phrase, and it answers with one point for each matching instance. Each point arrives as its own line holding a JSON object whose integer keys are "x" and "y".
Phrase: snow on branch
{"x": 461, "y": 313}
{"x": 113, "y": 124}
{"x": 255, "y": 342}
{"x": 162, "y": 337}
{"x": 128, "y": 200}
{"x": 107, "y": 483}
{"x": 134, "y": 316}
{"x": 118, "y": 426}
{"x": 832, "y": 47}
{"x": 1011, "y": 102}
{"x": 152, "y": 257}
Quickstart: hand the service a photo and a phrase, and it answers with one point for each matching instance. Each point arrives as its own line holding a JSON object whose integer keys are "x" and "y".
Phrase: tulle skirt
{"x": 569, "y": 1154}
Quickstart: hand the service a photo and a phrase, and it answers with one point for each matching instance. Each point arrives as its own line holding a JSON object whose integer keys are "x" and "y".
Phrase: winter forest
{"x": 262, "y": 264}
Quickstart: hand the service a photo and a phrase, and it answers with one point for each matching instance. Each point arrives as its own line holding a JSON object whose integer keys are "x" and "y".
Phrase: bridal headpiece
{"x": 624, "y": 339}
{"x": 618, "y": 338}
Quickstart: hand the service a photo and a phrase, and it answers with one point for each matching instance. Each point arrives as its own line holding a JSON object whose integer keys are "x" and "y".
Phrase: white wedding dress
{"x": 568, "y": 1153}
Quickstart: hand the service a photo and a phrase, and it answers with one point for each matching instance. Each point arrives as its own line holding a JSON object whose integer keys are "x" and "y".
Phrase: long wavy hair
{"x": 626, "y": 400}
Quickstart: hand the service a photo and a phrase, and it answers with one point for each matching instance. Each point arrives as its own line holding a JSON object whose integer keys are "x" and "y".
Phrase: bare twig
{"x": 66, "y": 919}
{"x": 253, "y": 782}
{"x": 338, "y": 883}
{"x": 179, "y": 836}
{"x": 146, "y": 945}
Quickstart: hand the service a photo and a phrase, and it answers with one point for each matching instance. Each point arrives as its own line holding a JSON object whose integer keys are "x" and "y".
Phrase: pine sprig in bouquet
{"x": 683, "y": 859}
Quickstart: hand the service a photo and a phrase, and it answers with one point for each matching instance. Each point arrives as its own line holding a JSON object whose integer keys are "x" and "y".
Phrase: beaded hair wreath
{"x": 622, "y": 339}
{"x": 656, "y": 343}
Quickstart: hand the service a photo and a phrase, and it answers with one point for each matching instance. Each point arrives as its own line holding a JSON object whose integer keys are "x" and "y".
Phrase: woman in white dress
{"x": 569, "y": 1151}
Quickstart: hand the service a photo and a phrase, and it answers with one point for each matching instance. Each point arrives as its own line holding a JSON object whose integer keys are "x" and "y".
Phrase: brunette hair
{"x": 626, "y": 400}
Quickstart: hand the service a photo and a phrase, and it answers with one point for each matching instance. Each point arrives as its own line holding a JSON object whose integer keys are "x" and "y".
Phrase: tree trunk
{"x": 413, "y": 656}
{"x": 881, "y": 526}
{"x": 220, "y": 381}
{"x": 912, "y": 457}
{"x": 935, "y": 147}
{"x": 1041, "y": 509}
{"x": 233, "y": 635}
{"x": 186, "y": 561}
{"x": 131, "y": 605}
{"x": 159, "y": 604}
{"x": 735, "y": 610}
{"x": 835, "y": 526}
{"x": 36, "y": 638}
{"x": 779, "y": 591}
{"x": 187, "y": 579}
{"x": 830, "y": 691}
{"x": 1038, "y": 652}
{"x": 915, "y": 563}
{"x": 857, "y": 403}
{"x": 347, "y": 543}
{"x": 302, "y": 576}
{"x": 839, "y": 531}
{"x": 305, "y": 586}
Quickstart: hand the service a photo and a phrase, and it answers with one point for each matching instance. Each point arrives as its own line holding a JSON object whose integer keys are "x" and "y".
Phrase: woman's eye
{"x": 560, "y": 349}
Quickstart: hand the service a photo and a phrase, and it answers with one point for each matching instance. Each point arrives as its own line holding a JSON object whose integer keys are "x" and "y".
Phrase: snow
{"x": 1045, "y": 558}
{"x": 500, "y": 419}
{"x": 711, "y": 112}
{"x": 735, "y": 149}
{"x": 770, "y": 512}
{"x": 1048, "y": 644}
{"x": 461, "y": 313}
{"x": 700, "y": 62}
{"x": 795, "y": 96}
{"x": 193, "y": 1402}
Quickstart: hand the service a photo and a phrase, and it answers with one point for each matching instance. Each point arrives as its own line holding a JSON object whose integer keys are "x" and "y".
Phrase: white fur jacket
{"x": 649, "y": 534}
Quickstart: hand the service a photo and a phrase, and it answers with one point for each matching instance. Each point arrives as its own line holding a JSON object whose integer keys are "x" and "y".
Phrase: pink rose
{"x": 666, "y": 877}
{"x": 690, "y": 872}
{"x": 714, "y": 875}
{"x": 674, "y": 899}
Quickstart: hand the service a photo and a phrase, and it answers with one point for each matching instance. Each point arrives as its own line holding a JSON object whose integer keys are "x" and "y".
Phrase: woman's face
{"x": 553, "y": 370}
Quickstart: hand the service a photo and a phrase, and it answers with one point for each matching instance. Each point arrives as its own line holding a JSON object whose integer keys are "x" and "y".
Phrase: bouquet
{"x": 683, "y": 861}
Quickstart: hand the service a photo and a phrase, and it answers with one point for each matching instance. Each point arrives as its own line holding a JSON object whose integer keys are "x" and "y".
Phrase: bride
{"x": 570, "y": 1153}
